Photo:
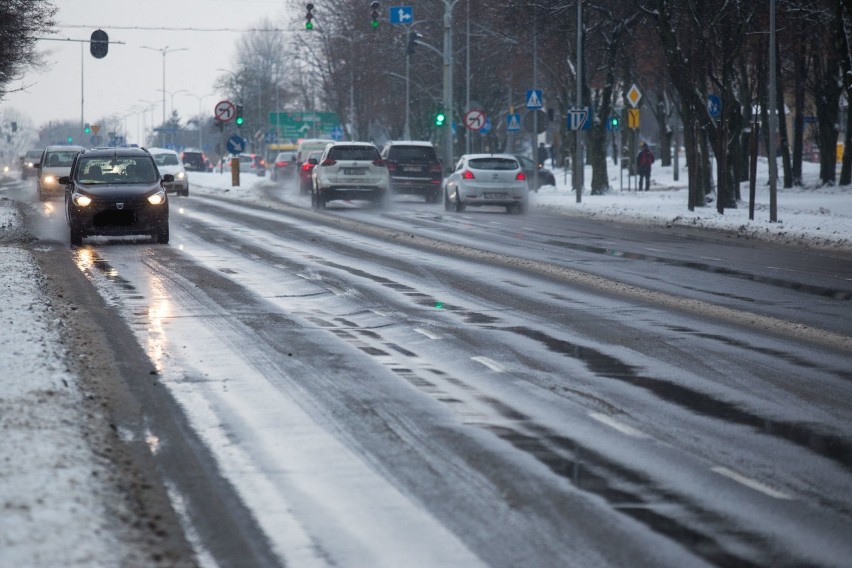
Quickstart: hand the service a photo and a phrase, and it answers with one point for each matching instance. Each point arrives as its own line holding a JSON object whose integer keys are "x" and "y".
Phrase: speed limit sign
{"x": 224, "y": 111}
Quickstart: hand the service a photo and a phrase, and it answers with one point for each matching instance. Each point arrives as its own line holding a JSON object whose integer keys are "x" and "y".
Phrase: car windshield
{"x": 166, "y": 159}
{"x": 493, "y": 164}
{"x": 116, "y": 170}
{"x": 59, "y": 159}
{"x": 366, "y": 153}
{"x": 412, "y": 154}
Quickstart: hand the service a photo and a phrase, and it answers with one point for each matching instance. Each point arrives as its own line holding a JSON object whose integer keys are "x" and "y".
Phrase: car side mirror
{"x": 168, "y": 178}
{"x": 64, "y": 180}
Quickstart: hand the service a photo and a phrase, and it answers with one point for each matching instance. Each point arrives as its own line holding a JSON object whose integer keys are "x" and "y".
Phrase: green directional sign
{"x": 299, "y": 124}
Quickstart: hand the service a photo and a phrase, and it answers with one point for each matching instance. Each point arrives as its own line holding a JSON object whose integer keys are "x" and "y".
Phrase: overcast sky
{"x": 115, "y": 84}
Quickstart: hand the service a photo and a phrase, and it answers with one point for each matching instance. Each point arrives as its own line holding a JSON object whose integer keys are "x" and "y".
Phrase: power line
{"x": 172, "y": 29}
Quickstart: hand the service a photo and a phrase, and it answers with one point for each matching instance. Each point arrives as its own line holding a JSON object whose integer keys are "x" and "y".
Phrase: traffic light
{"x": 412, "y": 41}
{"x": 374, "y": 14}
{"x": 99, "y": 44}
{"x": 614, "y": 122}
{"x": 439, "y": 118}
{"x": 309, "y": 17}
{"x": 70, "y": 139}
{"x": 239, "y": 119}
{"x": 87, "y": 129}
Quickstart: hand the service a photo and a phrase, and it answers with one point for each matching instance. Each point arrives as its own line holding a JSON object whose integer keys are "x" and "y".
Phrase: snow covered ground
{"x": 53, "y": 500}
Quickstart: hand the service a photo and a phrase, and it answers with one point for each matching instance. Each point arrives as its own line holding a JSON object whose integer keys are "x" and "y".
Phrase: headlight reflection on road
{"x": 156, "y": 341}
{"x": 84, "y": 258}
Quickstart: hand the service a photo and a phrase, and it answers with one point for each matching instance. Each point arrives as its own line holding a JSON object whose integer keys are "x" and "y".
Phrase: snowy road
{"x": 366, "y": 395}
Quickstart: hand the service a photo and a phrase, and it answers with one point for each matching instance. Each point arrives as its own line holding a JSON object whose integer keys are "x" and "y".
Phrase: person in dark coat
{"x": 543, "y": 154}
{"x": 643, "y": 166}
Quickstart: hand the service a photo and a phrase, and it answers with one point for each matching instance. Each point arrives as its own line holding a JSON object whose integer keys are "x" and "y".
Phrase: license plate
{"x": 353, "y": 171}
{"x": 495, "y": 196}
{"x": 412, "y": 169}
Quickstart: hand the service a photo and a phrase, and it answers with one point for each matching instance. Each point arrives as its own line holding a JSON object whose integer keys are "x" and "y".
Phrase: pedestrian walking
{"x": 542, "y": 154}
{"x": 643, "y": 166}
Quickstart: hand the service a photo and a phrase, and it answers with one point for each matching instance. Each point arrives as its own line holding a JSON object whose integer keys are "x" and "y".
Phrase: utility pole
{"x": 578, "y": 159}
{"x": 773, "y": 119}
{"x": 448, "y": 83}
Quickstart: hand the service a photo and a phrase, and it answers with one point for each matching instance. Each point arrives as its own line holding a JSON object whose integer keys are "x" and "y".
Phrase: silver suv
{"x": 350, "y": 171}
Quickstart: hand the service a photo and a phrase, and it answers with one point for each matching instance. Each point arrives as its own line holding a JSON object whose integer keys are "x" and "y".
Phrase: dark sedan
{"x": 545, "y": 176}
{"x": 116, "y": 191}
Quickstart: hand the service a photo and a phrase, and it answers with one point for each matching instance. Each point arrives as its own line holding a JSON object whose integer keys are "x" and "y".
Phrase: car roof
{"x": 115, "y": 152}
{"x": 409, "y": 143}
{"x": 161, "y": 151}
{"x": 370, "y": 144}
{"x": 475, "y": 156}
{"x": 61, "y": 147}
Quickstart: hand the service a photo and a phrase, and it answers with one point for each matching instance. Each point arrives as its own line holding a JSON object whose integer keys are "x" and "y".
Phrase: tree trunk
{"x": 799, "y": 117}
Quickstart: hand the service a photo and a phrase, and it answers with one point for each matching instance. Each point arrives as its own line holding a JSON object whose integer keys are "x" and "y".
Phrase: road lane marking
{"x": 615, "y": 424}
{"x": 751, "y": 483}
{"x": 426, "y": 333}
{"x": 490, "y": 363}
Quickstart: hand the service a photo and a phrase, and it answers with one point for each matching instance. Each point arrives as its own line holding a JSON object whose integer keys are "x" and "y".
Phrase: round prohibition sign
{"x": 474, "y": 119}
{"x": 224, "y": 111}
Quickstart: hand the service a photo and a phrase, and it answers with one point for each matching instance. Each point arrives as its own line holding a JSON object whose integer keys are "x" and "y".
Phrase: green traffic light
{"x": 239, "y": 121}
{"x": 374, "y": 23}
{"x": 70, "y": 139}
{"x": 309, "y": 25}
{"x": 439, "y": 119}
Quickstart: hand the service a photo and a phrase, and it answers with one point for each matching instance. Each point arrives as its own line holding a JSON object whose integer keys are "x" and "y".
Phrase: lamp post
{"x": 165, "y": 51}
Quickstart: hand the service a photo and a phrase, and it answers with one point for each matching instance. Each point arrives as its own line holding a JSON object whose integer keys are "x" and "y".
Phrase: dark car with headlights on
{"x": 116, "y": 191}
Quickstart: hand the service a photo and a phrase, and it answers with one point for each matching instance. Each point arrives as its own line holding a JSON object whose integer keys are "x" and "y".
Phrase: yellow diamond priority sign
{"x": 633, "y": 96}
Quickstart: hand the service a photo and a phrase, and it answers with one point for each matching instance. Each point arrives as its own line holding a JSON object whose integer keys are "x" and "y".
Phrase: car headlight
{"x": 180, "y": 175}
{"x": 81, "y": 200}
{"x": 48, "y": 179}
{"x": 158, "y": 198}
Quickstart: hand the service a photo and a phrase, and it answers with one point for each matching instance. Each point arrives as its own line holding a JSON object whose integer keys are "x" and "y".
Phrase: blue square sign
{"x": 401, "y": 15}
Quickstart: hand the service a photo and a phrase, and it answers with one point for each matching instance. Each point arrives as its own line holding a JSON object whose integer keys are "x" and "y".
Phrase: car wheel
{"x": 458, "y": 206}
{"x": 76, "y": 236}
{"x": 161, "y": 234}
{"x": 446, "y": 201}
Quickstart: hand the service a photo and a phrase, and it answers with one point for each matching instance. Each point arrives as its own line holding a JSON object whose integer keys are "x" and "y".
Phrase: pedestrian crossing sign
{"x": 534, "y": 98}
{"x": 513, "y": 122}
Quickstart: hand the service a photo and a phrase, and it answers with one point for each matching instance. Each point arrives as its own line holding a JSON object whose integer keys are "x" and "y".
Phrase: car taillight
{"x": 391, "y": 166}
{"x": 281, "y": 164}
{"x": 435, "y": 168}
{"x": 307, "y": 166}
{"x": 328, "y": 162}
{"x": 521, "y": 176}
{"x": 467, "y": 174}
{"x": 380, "y": 163}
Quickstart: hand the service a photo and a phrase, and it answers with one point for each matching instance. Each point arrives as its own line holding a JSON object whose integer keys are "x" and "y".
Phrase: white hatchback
{"x": 169, "y": 162}
{"x": 350, "y": 171}
{"x": 487, "y": 179}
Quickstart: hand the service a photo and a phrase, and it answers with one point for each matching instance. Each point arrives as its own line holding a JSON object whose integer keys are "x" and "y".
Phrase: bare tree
{"x": 21, "y": 22}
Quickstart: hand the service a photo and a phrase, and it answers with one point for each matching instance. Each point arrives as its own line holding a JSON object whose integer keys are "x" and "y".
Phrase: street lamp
{"x": 164, "y": 50}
